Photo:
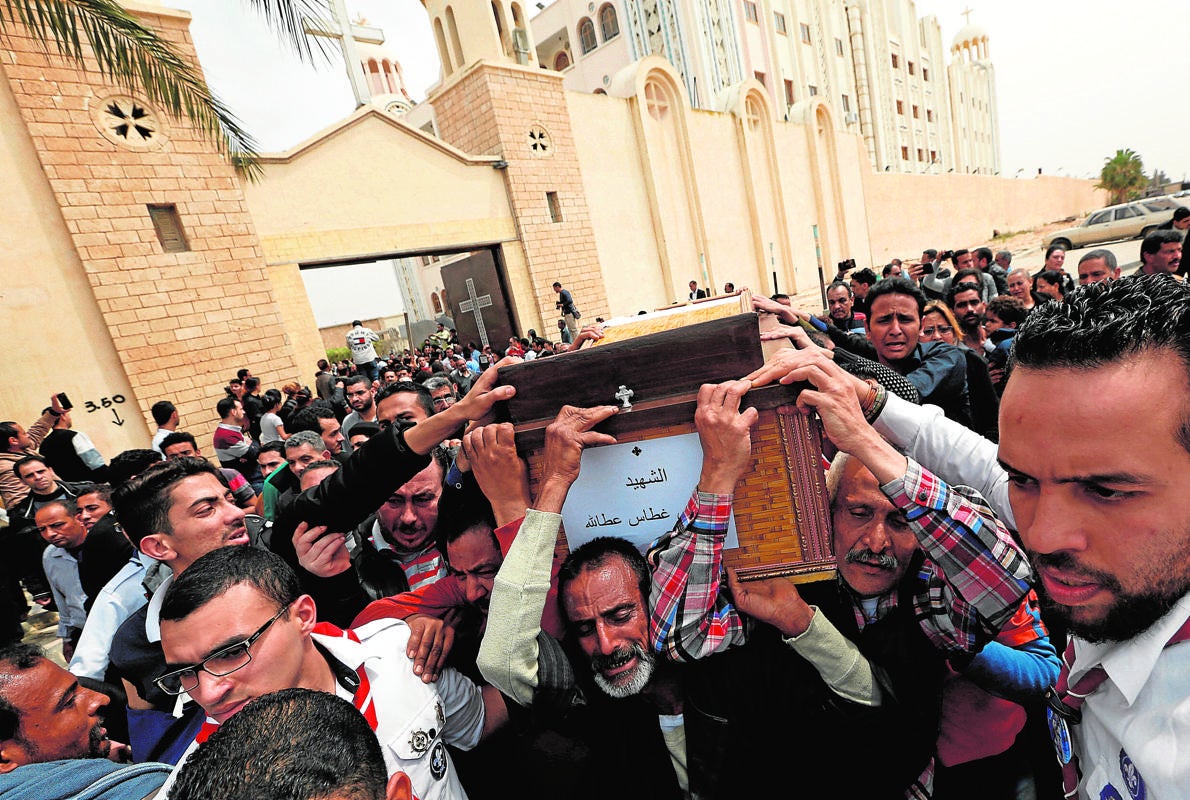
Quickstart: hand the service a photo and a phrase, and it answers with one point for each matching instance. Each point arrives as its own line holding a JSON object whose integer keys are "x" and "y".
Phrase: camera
{"x": 946, "y": 255}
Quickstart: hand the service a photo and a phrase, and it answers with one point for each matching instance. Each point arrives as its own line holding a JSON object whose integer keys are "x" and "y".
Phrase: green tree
{"x": 1123, "y": 176}
{"x": 137, "y": 58}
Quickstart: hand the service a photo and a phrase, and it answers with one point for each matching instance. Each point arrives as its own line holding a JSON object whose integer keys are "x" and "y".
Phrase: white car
{"x": 1125, "y": 221}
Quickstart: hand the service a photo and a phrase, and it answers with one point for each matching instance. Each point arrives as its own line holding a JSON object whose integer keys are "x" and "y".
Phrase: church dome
{"x": 969, "y": 33}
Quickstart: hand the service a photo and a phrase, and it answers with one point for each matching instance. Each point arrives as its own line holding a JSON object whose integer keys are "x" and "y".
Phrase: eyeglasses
{"x": 942, "y": 329}
{"x": 223, "y": 662}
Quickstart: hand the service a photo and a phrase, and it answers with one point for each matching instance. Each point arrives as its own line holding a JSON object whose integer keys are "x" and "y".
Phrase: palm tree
{"x": 1123, "y": 176}
{"x": 134, "y": 56}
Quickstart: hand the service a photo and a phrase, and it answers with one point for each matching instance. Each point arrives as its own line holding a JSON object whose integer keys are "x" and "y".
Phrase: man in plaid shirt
{"x": 926, "y": 572}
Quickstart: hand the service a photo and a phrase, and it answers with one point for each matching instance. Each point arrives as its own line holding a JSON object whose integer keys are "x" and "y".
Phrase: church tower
{"x": 495, "y": 99}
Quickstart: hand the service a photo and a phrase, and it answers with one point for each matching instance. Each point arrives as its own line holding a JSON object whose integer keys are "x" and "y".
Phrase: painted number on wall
{"x": 104, "y": 402}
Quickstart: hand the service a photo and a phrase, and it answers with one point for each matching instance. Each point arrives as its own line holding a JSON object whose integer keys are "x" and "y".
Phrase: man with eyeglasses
{"x": 236, "y": 626}
{"x": 179, "y": 510}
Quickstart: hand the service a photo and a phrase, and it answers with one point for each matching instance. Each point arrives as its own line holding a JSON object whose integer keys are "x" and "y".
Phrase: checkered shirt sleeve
{"x": 690, "y": 617}
{"x": 975, "y": 576}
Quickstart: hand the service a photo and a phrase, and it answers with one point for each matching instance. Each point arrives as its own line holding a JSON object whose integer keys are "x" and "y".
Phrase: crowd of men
{"x": 371, "y": 603}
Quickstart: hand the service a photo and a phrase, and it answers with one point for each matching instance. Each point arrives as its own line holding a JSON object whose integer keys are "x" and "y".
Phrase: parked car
{"x": 1125, "y": 221}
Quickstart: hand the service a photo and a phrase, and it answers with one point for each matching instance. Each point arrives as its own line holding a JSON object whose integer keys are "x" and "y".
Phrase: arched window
{"x": 561, "y": 61}
{"x": 608, "y": 24}
{"x": 586, "y": 35}
{"x": 437, "y": 303}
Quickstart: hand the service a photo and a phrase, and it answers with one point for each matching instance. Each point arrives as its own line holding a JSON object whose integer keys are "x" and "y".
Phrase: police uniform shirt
{"x": 415, "y": 720}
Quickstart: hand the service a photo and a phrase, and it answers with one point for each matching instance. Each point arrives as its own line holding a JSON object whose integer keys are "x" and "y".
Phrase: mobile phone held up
{"x": 64, "y": 401}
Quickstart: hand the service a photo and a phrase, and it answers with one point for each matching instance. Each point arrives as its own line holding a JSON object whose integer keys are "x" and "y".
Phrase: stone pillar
{"x": 521, "y": 115}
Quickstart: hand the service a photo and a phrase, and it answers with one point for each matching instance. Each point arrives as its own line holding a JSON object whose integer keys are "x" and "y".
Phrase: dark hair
{"x": 595, "y": 554}
{"x": 271, "y": 398}
{"x": 226, "y": 406}
{"x": 214, "y": 573}
{"x": 1157, "y": 239}
{"x": 26, "y": 461}
{"x": 1010, "y": 310}
{"x": 839, "y": 285}
{"x": 557, "y": 284}
{"x": 276, "y": 747}
{"x": 777, "y": 296}
{"x": 455, "y": 519}
{"x": 368, "y": 429}
{"x": 162, "y": 410}
{"x": 352, "y": 380}
{"x": 954, "y": 256}
{"x": 142, "y": 503}
{"x": 1052, "y": 277}
{"x": 965, "y": 286}
{"x": 322, "y": 463}
{"x": 984, "y": 253}
{"x": 931, "y": 252}
{"x": 251, "y": 384}
{"x": 972, "y": 273}
{"x": 865, "y": 276}
{"x": 242, "y": 373}
{"x": 1049, "y": 251}
{"x": 897, "y": 285}
{"x": 356, "y": 323}
{"x": 888, "y": 268}
{"x": 102, "y": 489}
{"x": 408, "y": 387}
{"x": 273, "y": 447}
{"x": 14, "y": 658}
{"x": 178, "y": 437}
{"x": 8, "y": 430}
{"x": 69, "y": 504}
{"x": 131, "y": 462}
{"x": 307, "y": 419}
{"x": 1107, "y": 322}
{"x": 1109, "y": 258}
{"x": 323, "y": 364}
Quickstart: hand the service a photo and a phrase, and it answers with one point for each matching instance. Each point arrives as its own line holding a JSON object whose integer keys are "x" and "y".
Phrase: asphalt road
{"x": 1127, "y": 256}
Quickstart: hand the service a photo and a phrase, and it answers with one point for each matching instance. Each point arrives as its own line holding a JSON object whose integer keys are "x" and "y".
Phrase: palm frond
{"x": 134, "y": 56}
{"x": 288, "y": 19}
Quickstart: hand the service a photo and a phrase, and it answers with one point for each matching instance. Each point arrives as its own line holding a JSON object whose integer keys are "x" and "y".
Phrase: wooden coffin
{"x": 782, "y": 519}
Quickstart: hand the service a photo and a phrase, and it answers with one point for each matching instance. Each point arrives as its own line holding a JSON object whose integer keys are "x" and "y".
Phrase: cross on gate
{"x": 472, "y": 305}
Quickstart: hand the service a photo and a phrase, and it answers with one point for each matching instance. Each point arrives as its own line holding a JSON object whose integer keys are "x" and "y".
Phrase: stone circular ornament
{"x": 541, "y": 144}
{"x": 128, "y": 122}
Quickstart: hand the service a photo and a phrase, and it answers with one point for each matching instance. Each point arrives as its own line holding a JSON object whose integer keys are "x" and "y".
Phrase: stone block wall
{"x": 521, "y": 115}
{"x": 181, "y": 323}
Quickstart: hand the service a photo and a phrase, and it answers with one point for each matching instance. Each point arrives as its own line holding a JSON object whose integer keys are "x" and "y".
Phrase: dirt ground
{"x": 1021, "y": 242}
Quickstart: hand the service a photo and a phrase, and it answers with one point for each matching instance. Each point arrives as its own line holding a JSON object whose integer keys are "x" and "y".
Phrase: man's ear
{"x": 399, "y": 787}
{"x": 157, "y": 546}
{"x": 13, "y": 754}
{"x": 305, "y": 612}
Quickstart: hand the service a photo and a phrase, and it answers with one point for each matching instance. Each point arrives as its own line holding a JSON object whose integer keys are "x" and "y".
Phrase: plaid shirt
{"x": 972, "y": 580}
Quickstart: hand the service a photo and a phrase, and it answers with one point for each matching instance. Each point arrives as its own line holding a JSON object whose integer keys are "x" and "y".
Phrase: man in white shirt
{"x": 1097, "y": 494}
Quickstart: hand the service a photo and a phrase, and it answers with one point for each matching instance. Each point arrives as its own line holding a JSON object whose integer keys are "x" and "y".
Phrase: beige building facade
{"x": 147, "y": 270}
{"x": 879, "y": 68}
